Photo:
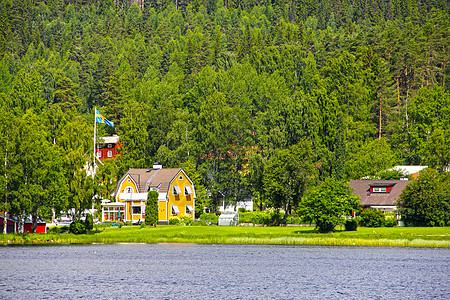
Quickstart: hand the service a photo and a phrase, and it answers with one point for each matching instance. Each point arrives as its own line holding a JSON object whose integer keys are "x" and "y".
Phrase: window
{"x": 176, "y": 190}
{"x": 180, "y": 178}
{"x": 99, "y": 154}
{"x": 189, "y": 209}
{"x": 187, "y": 190}
{"x": 175, "y": 210}
{"x": 128, "y": 190}
{"x": 379, "y": 190}
{"x": 110, "y": 145}
{"x": 136, "y": 210}
{"x": 109, "y": 153}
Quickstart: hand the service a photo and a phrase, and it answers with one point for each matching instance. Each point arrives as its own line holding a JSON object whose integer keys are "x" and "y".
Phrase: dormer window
{"x": 379, "y": 190}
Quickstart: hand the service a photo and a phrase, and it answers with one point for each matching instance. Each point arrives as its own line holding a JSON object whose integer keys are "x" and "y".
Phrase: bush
{"x": 351, "y": 225}
{"x": 326, "y": 223}
{"x": 209, "y": 219}
{"x": 372, "y": 218}
{"x": 390, "y": 219}
{"x": 120, "y": 224}
{"x": 242, "y": 210}
{"x": 77, "y": 227}
{"x": 54, "y": 229}
{"x": 89, "y": 222}
{"x": 186, "y": 220}
{"x": 174, "y": 221}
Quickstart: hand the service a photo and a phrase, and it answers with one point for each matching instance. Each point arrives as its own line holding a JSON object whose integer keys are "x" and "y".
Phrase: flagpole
{"x": 95, "y": 139}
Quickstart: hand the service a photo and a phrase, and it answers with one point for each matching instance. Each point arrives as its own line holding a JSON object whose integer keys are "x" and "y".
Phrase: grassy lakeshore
{"x": 395, "y": 236}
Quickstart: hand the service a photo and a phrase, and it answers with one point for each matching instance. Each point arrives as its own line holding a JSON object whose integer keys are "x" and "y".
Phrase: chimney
{"x": 157, "y": 165}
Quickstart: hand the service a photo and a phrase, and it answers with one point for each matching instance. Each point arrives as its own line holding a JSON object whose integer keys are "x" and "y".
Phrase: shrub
{"x": 77, "y": 227}
{"x": 372, "y": 218}
{"x": 390, "y": 219}
{"x": 209, "y": 219}
{"x": 54, "y": 229}
{"x": 89, "y": 222}
{"x": 186, "y": 220}
{"x": 242, "y": 210}
{"x": 351, "y": 225}
{"x": 174, "y": 221}
{"x": 120, "y": 224}
{"x": 326, "y": 223}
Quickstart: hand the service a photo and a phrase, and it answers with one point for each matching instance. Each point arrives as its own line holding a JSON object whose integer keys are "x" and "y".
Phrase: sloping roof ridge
{"x": 149, "y": 181}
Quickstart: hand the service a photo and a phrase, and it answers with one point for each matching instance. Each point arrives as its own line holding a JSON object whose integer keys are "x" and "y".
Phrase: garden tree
{"x": 288, "y": 174}
{"x": 39, "y": 183}
{"x": 81, "y": 191}
{"x": 8, "y": 165}
{"x": 437, "y": 150}
{"x": 151, "y": 208}
{"x": 371, "y": 158}
{"x": 254, "y": 175}
{"x": 327, "y": 204}
{"x": 426, "y": 201}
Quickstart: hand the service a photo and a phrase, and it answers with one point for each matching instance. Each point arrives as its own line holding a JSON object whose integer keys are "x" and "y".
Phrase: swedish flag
{"x": 101, "y": 119}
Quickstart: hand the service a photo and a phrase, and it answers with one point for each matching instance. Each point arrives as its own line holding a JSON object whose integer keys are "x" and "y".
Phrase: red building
{"x": 107, "y": 147}
{"x": 13, "y": 225}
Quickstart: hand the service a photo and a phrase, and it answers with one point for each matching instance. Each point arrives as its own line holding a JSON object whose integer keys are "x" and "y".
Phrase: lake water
{"x": 190, "y": 271}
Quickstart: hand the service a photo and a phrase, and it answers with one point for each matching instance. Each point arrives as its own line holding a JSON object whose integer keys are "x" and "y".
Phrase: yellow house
{"x": 176, "y": 195}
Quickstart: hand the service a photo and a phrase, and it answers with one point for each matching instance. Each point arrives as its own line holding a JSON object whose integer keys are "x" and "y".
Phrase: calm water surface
{"x": 189, "y": 271}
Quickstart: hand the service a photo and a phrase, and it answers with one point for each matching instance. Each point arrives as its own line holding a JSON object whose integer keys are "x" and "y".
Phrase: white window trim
{"x": 176, "y": 190}
{"x": 379, "y": 190}
{"x": 174, "y": 210}
{"x": 187, "y": 190}
{"x": 109, "y": 153}
{"x": 188, "y": 209}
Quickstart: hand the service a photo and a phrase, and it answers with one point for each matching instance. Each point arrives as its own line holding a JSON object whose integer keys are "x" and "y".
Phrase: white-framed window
{"x": 110, "y": 145}
{"x": 379, "y": 190}
{"x": 181, "y": 177}
{"x": 99, "y": 154}
{"x": 128, "y": 190}
{"x": 175, "y": 210}
{"x": 189, "y": 209}
{"x": 187, "y": 190}
{"x": 109, "y": 153}
{"x": 176, "y": 190}
{"x": 136, "y": 210}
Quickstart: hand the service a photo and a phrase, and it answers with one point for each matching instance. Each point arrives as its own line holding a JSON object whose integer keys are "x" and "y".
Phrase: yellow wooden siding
{"x": 181, "y": 200}
{"x": 126, "y": 183}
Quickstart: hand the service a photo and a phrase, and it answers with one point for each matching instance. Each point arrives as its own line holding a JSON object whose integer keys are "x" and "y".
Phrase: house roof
{"x": 362, "y": 188}
{"x": 109, "y": 139}
{"x": 145, "y": 179}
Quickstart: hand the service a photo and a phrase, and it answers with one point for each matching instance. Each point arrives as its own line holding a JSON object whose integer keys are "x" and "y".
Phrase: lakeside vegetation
{"x": 283, "y": 235}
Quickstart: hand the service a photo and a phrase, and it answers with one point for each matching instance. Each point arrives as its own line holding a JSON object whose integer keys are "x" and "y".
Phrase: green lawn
{"x": 395, "y": 236}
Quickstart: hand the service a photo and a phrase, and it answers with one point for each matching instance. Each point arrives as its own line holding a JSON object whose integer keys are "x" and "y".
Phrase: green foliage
{"x": 77, "y": 227}
{"x": 209, "y": 219}
{"x": 174, "y": 221}
{"x": 327, "y": 204}
{"x": 151, "y": 208}
{"x": 89, "y": 222}
{"x": 426, "y": 201}
{"x": 249, "y": 97}
{"x": 351, "y": 225}
{"x": 371, "y": 218}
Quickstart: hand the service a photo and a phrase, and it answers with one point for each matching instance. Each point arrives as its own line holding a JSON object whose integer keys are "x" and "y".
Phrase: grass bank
{"x": 394, "y": 236}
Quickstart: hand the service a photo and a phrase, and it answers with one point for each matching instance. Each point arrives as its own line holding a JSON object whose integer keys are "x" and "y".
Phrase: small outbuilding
{"x": 228, "y": 219}
{"x": 12, "y": 224}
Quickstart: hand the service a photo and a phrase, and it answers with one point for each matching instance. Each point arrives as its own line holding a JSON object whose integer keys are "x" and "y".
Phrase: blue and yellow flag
{"x": 101, "y": 119}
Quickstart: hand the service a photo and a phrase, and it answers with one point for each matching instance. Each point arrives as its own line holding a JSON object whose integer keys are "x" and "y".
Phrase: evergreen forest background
{"x": 261, "y": 98}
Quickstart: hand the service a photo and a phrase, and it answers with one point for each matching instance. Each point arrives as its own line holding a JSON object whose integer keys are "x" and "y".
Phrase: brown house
{"x": 379, "y": 194}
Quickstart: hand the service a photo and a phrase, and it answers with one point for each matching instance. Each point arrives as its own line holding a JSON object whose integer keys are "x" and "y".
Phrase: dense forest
{"x": 260, "y": 98}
